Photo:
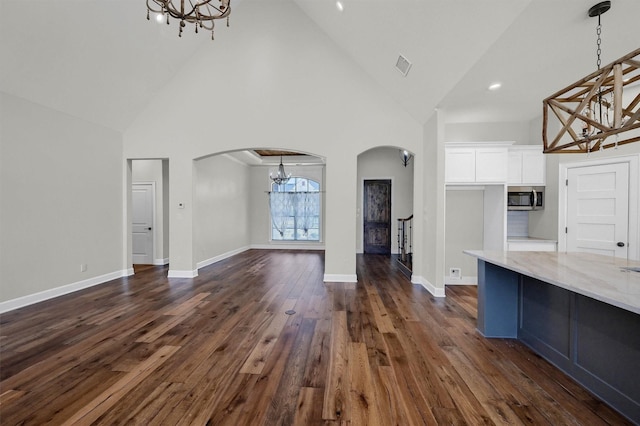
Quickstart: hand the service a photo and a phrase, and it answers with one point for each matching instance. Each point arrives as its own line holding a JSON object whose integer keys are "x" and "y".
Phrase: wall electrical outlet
{"x": 455, "y": 273}
{"x": 83, "y": 267}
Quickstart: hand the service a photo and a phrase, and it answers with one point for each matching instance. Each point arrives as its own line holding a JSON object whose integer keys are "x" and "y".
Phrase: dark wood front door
{"x": 377, "y": 216}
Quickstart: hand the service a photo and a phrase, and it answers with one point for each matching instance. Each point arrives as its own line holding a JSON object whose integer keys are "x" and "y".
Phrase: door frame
{"x": 360, "y": 215}
{"x": 153, "y": 217}
{"x": 634, "y": 196}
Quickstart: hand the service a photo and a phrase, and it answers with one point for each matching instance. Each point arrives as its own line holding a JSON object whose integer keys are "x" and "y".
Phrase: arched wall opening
{"x": 227, "y": 209}
{"x": 386, "y": 163}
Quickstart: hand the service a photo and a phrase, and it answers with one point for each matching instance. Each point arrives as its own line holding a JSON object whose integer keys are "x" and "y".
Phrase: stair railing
{"x": 405, "y": 238}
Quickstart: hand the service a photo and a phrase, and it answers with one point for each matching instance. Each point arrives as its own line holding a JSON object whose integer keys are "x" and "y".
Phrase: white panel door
{"x": 142, "y": 199}
{"x": 598, "y": 209}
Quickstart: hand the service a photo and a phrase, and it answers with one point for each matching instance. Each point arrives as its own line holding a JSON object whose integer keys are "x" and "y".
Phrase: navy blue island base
{"x": 593, "y": 341}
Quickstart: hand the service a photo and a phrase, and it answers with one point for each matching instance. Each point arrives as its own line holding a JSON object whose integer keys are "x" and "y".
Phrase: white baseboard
{"x": 128, "y": 272}
{"x": 30, "y": 299}
{"x": 461, "y": 281}
{"x": 176, "y": 273}
{"x": 437, "y": 292}
{"x": 220, "y": 257}
{"x": 161, "y": 262}
{"x": 340, "y": 278}
{"x": 285, "y": 246}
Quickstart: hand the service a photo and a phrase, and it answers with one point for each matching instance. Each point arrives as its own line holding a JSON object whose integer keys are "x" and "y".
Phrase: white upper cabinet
{"x": 468, "y": 163}
{"x": 460, "y": 165}
{"x": 527, "y": 166}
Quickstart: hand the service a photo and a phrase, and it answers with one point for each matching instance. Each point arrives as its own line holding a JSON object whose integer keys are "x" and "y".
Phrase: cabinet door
{"x": 514, "y": 168}
{"x": 533, "y": 167}
{"x": 491, "y": 165}
{"x": 460, "y": 165}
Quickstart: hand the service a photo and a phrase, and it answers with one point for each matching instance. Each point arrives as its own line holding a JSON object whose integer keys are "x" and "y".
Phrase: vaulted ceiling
{"x": 102, "y": 61}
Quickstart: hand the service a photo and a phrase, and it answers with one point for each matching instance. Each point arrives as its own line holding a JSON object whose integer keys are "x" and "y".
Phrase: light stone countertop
{"x": 596, "y": 276}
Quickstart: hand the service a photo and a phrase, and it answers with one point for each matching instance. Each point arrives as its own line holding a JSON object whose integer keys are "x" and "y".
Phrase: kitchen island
{"x": 578, "y": 310}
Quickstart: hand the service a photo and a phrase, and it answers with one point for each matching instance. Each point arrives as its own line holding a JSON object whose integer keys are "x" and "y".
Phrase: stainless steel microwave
{"x": 525, "y": 198}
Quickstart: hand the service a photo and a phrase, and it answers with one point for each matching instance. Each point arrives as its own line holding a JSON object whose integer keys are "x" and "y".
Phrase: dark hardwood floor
{"x": 220, "y": 350}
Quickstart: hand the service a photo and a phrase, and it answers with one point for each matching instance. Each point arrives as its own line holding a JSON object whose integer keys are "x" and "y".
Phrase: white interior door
{"x": 598, "y": 209}
{"x": 142, "y": 198}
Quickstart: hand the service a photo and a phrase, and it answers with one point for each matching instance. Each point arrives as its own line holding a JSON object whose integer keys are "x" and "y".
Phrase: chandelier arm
{"x": 166, "y": 6}
{"x": 223, "y": 12}
{"x": 154, "y": 10}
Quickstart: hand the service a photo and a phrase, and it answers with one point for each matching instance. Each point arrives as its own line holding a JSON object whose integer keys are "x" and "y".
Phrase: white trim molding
{"x": 340, "y": 278}
{"x": 173, "y": 273}
{"x": 161, "y": 262}
{"x": 30, "y": 299}
{"x": 437, "y": 292}
{"x": 220, "y": 257}
{"x": 287, "y": 246}
{"x": 460, "y": 281}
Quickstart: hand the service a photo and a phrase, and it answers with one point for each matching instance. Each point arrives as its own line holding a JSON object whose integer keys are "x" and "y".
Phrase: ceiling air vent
{"x": 403, "y": 65}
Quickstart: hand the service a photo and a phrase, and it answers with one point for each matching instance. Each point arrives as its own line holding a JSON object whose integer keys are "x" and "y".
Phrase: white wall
{"x": 279, "y": 86}
{"x": 429, "y": 217}
{"x": 61, "y": 199}
{"x": 518, "y": 132}
{"x": 544, "y": 224}
{"x": 146, "y": 171}
{"x": 385, "y": 163}
{"x": 222, "y": 206}
{"x": 464, "y": 229}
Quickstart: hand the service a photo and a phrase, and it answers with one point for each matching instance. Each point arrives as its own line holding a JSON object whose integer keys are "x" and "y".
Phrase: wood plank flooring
{"x": 220, "y": 350}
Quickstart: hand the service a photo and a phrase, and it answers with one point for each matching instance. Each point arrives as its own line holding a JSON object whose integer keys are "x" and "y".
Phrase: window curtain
{"x": 281, "y": 204}
{"x": 307, "y": 207}
{"x": 294, "y": 210}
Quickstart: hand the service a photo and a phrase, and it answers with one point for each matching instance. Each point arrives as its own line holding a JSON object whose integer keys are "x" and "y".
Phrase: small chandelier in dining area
{"x": 201, "y": 13}
{"x": 281, "y": 177}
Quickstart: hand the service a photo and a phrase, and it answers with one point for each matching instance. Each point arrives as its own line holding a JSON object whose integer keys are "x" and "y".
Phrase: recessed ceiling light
{"x": 495, "y": 86}
{"x": 339, "y": 6}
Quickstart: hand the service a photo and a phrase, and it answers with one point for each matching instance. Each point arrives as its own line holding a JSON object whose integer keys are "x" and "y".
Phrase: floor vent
{"x": 403, "y": 65}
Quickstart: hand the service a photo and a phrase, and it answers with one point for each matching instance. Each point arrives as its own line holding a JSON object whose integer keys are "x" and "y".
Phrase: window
{"x": 295, "y": 210}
